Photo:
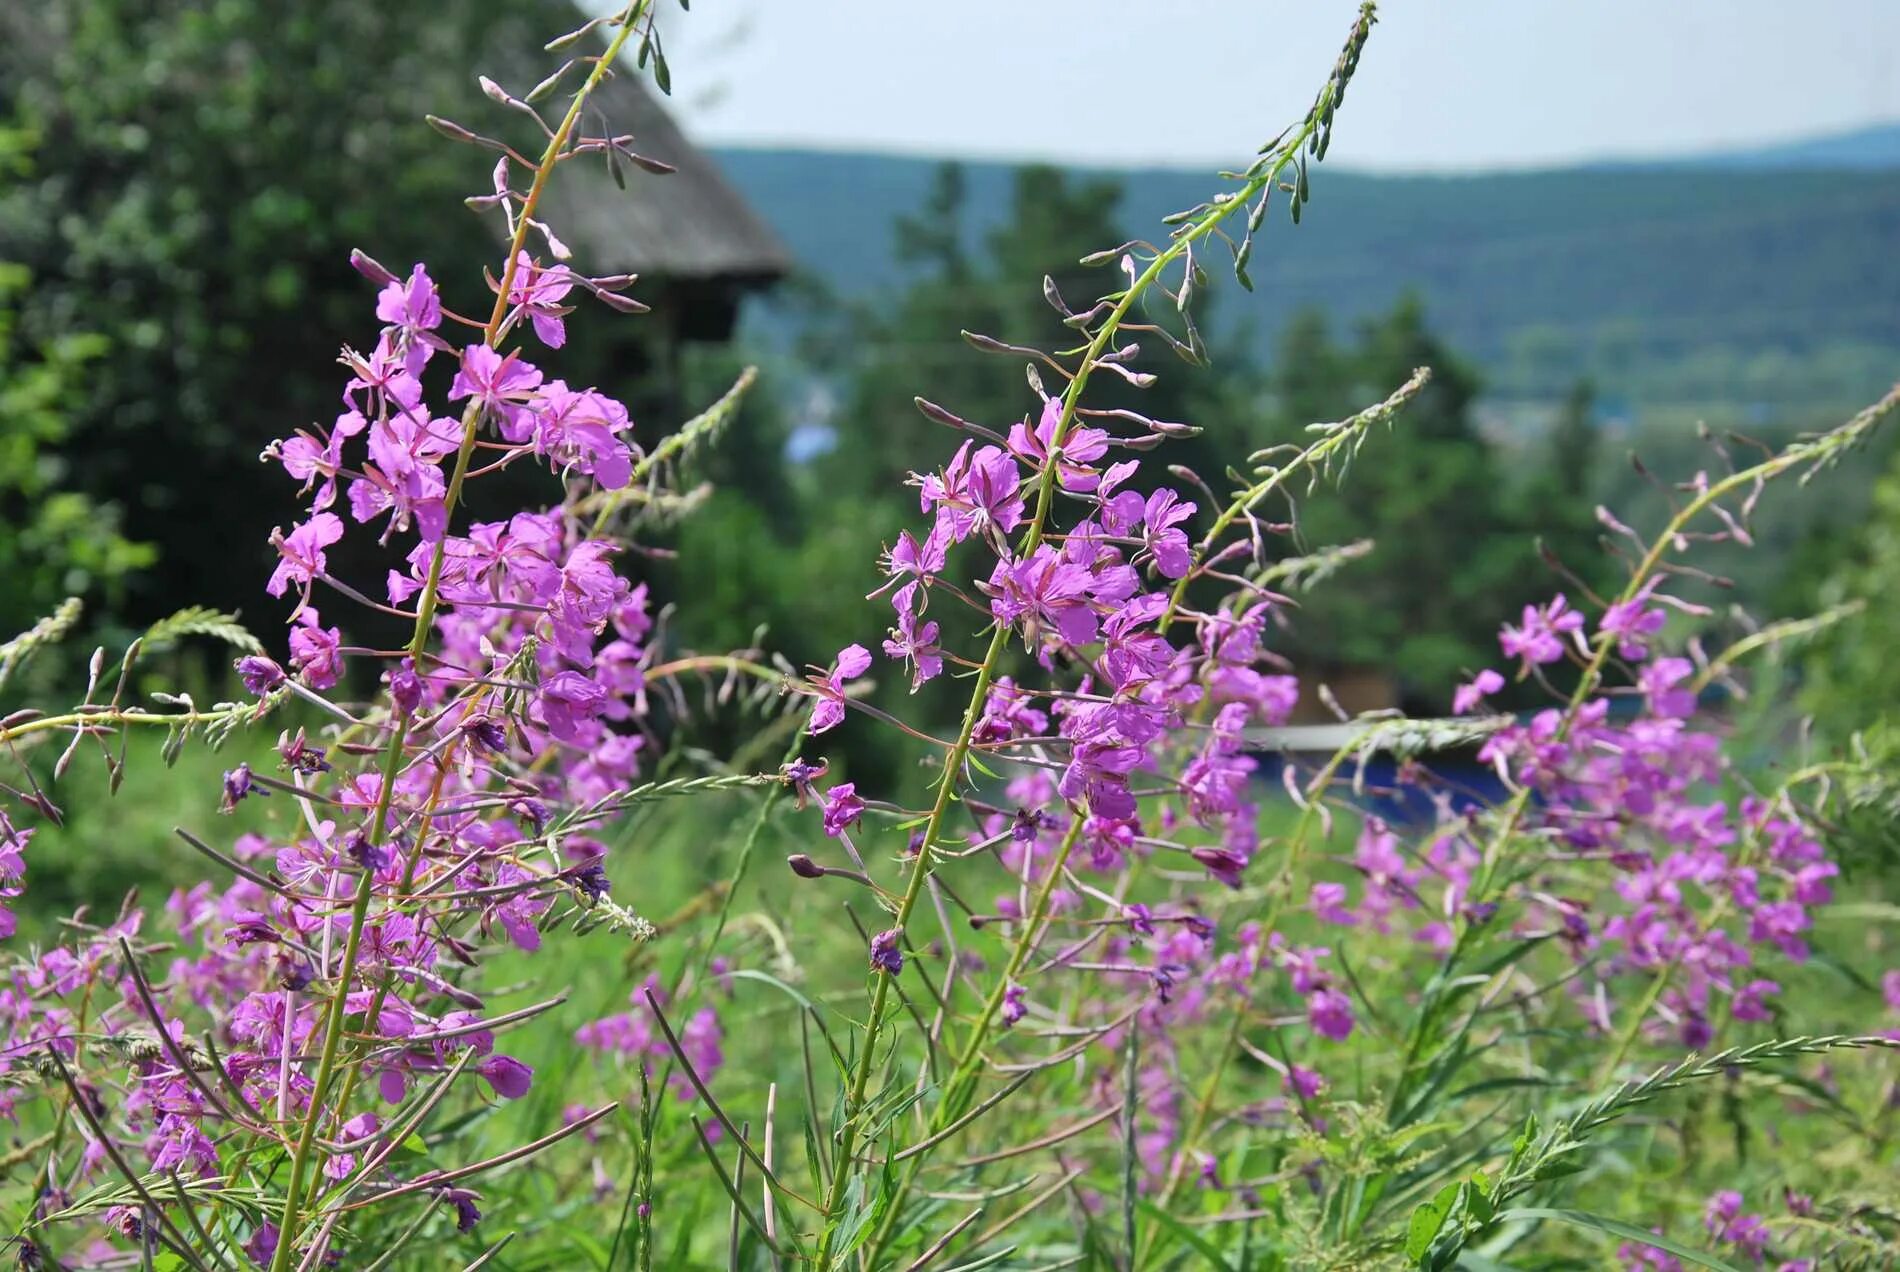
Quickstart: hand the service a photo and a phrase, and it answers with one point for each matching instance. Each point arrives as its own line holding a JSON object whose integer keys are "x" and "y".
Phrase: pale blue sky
{"x": 1446, "y": 84}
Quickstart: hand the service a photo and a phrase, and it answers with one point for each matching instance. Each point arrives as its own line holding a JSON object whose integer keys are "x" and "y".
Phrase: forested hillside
{"x": 1757, "y": 278}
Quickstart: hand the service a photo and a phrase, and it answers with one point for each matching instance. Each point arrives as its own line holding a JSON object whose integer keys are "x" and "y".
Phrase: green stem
{"x": 957, "y": 1089}
{"x": 1205, "y": 225}
{"x": 1813, "y": 451}
{"x": 425, "y": 616}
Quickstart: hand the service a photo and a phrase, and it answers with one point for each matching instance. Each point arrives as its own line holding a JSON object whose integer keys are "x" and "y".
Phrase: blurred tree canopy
{"x": 187, "y": 180}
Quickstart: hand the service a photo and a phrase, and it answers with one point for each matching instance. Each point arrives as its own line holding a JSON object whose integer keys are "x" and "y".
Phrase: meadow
{"x": 536, "y": 937}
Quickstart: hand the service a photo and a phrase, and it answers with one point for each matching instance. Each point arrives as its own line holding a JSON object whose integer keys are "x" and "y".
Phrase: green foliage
{"x": 185, "y": 183}
{"x": 1646, "y": 282}
{"x": 1451, "y": 535}
{"x": 1853, "y": 679}
{"x": 57, "y": 541}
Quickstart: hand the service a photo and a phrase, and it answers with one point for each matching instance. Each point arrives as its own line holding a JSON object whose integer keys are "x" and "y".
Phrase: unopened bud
{"x": 453, "y": 131}
{"x": 804, "y": 867}
{"x": 369, "y": 267}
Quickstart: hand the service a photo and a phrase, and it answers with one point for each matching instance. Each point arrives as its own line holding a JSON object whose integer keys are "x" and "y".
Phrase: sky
{"x": 1446, "y": 85}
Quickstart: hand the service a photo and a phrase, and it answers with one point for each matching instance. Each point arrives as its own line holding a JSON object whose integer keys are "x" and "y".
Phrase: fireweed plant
{"x": 1187, "y": 1030}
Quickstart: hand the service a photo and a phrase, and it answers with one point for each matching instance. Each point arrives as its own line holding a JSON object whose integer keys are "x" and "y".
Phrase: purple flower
{"x": 800, "y": 776}
{"x": 842, "y": 808}
{"x": 262, "y": 1247}
{"x": 1658, "y": 682}
{"x": 509, "y": 1078}
{"x": 1632, "y": 624}
{"x": 237, "y": 785}
{"x": 299, "y": 756}
{"x": 914, "y": 641}
{"x": 916, "y": 561}
{"x": 300, "y": 553}
{"x": 978, "y": 493}
{"x": 1048, "y": 587}
{"x": 499, "y": 384}
{"x": 251, "y": 929}
{"x": 1540, "y": 636}
{"x": 886, "y": 956}
{"x": 1223, "y": 863}
{"x": 315, "y": 651}
{"x": 259, "y": 674}
{"x": 1750, "y": 1001}
{"x": 1306, "y": 1083}
{"x": 1469, "y": 696}
{"x": 467, "y": 1215}
{"x": 1014, "y": 1008}
{"x": 1080, "y": 448}
{"x": 569, "y": 701}
{"x": 1164, "y": 541}
{"x": 1328, "y": 904}
{"x": 1721, "y": 1209}
{"x": 1330, "y": 1014}
{"x": 538, "y": 293}
{"x": 405, "y": 686}
{"x": 413, "y": 309}
{"x": 852, "y": 661}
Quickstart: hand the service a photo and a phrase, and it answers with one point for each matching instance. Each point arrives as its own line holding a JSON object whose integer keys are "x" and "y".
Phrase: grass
{"x": 1827, "y": 1128}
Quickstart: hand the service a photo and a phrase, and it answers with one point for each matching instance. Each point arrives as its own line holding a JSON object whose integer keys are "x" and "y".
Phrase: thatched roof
{"x": 688, "y": 225}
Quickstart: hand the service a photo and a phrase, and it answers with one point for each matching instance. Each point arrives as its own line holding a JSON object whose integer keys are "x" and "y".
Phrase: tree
{"x": 189, "y": 182}
{"x": 1448, "y": 558}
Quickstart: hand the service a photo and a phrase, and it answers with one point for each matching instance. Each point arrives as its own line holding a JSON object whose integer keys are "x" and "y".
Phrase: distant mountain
{"x": 1769, "y": 276}
{"x": 1874, "y": 147}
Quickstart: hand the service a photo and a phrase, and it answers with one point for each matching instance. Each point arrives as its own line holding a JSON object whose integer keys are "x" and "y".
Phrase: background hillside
{"x": 1767, "y": 278}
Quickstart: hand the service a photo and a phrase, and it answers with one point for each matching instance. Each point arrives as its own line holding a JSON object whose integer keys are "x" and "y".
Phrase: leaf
{"x": 746, "y": 973}
{"x": 199, "y": 620}
{"x": 1201, "y": 1245}
{"x": 1617, "y": 1228}
{"x": 1427, "y": 1220}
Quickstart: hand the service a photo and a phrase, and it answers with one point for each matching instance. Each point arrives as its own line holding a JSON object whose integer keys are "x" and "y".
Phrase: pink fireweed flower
{"x": 828, "y": 713}
{"x": 887, "y": 954}
{"x": 914, "y": 562}
{"x": 914, "y": 640}
{"x": 1079, "y": 450}
{"x": 1633, "y": 623}
{"x": 316, "y": 651}
{"x": 1330, "y": 1014}
{"x": 300, "y": 553}
{"x": 1469, "y": 696}
{"x": 1659, "y": 681}
{"x": 1047, "y": 588}
{"x": 500, "y": 384}
{"x": 843, "y": 808}
{"x": 569, "y": 703}
{"x": 506, "y": 1076}
{"x": 1328, "y": 904}
{"x": 1162, "y": 538}
{"x": 1539, "y": 638}
{"x": 579, "y": 430}
{"x": 979, "y": 493}
{"x": 413, "y": 310}
{"x": 13, "y": 841}
{"x": 538, "y": 292}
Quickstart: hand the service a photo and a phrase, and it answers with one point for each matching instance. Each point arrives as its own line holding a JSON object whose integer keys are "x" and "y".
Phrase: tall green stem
{"x": 418, "y": 641}
{"x": 1205, "y": 224}
{"x": 1814, "y": 451}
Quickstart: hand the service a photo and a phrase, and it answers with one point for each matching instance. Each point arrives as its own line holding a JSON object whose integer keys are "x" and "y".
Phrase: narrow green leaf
{"x": 1617, "y": 1228}
{"x": 1174, "y": 1227}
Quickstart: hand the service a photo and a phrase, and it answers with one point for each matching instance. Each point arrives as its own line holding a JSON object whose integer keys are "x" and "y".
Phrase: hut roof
{"x": 689, "y": 224}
